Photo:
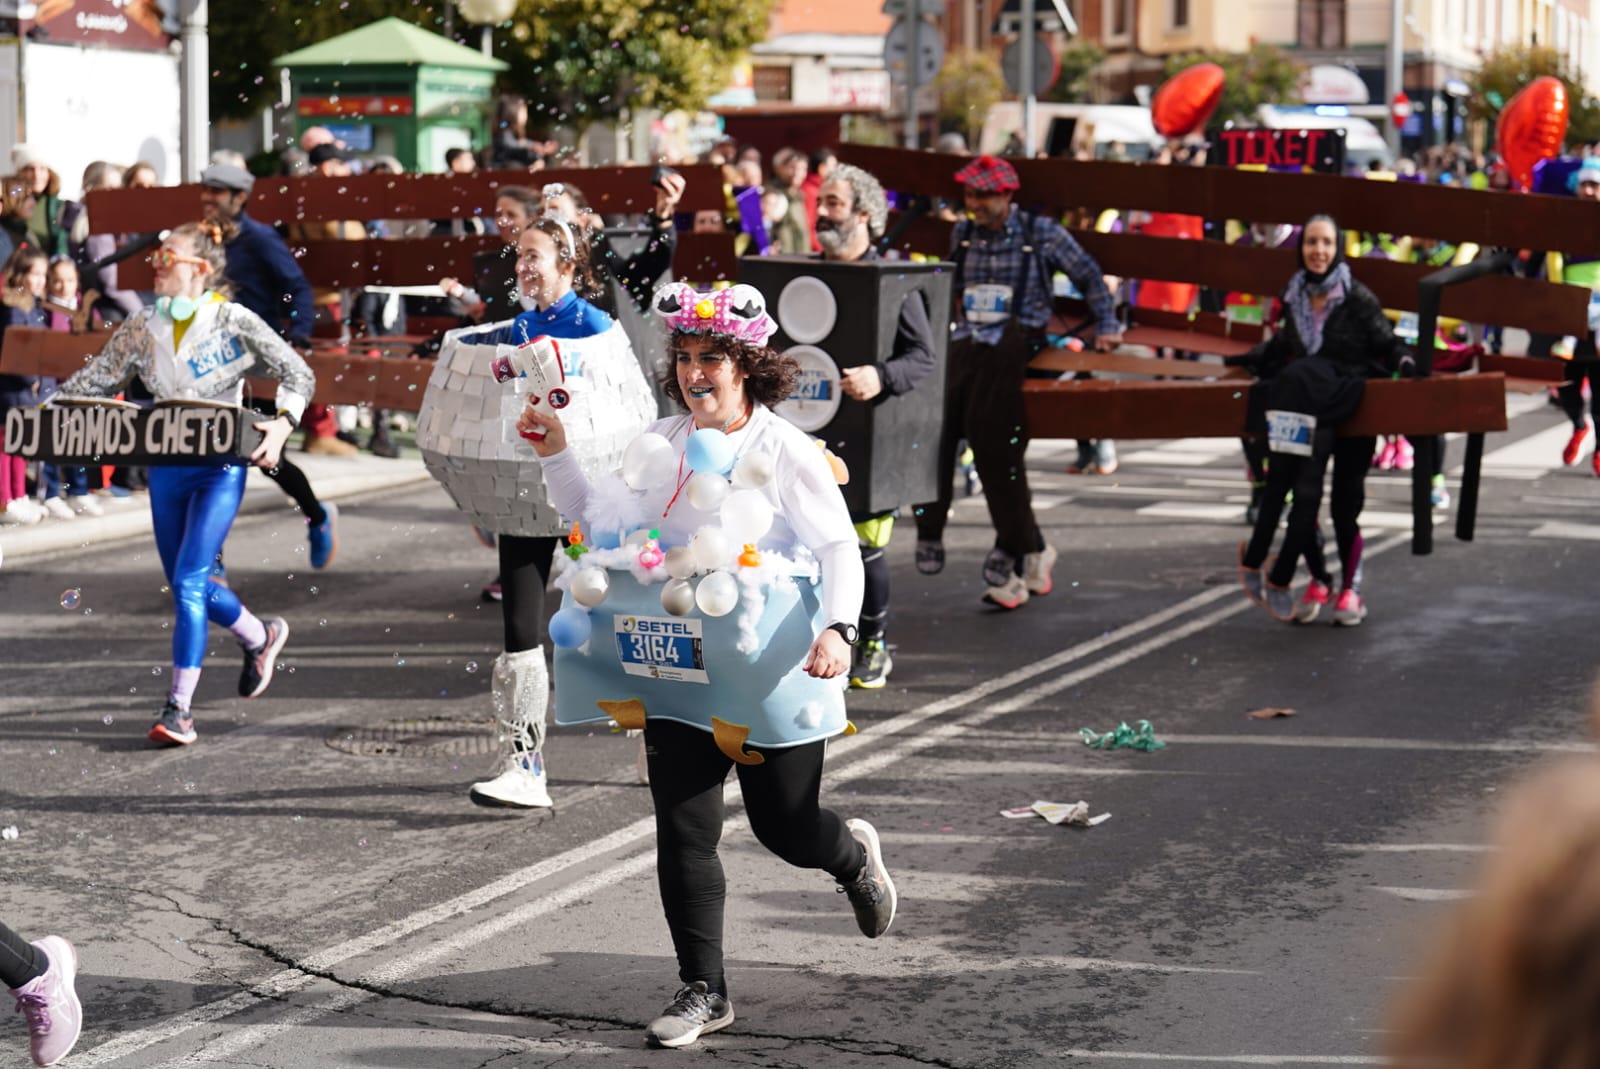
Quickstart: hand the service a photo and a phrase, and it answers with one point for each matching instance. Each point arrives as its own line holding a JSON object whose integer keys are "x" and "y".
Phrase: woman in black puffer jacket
{"x": 1332, "y": 338}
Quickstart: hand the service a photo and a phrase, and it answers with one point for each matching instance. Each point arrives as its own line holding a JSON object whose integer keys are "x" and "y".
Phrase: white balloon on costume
{"x": 746, "y": 516}
{"x": 711, "y": 548}
{"x": 677, "y": 597}
{"x": 648, "y": 461}
{"x": 717, "y": 594}
{"x": 707, "y": 490}
{"x": 680, "y": 562}
{"x": 590, "y": 587}
{"x": 753, "y": 471}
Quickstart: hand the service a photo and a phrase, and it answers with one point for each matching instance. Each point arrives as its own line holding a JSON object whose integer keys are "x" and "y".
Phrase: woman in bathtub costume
{"x": 725, "y": 633}
{"x": 563, "y": 352}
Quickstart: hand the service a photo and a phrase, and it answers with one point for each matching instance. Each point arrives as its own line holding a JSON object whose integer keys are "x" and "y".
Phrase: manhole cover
{"x": 433, "y": 736}
{"x": 1194, "y": 577}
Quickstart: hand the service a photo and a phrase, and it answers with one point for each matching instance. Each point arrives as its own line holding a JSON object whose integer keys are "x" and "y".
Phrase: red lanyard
{"x": 683, "y": 480}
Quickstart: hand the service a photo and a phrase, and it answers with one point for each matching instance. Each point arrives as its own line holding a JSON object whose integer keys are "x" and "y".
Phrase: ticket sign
{"x": 1279, "y": 150}
{"x": 117, "y": 433}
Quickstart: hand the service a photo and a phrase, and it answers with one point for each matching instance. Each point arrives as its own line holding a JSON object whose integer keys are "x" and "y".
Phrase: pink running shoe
{"x": 1405, "y": 458}
{"x": 50, "y": 1003}
{"x": 1312, "y": 602}
{"x": 1350, "y": 610}
{"x": 1386, "y": 455}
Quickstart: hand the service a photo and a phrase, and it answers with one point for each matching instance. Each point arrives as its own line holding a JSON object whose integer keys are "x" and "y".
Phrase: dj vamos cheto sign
{"x": 119, "y": 434}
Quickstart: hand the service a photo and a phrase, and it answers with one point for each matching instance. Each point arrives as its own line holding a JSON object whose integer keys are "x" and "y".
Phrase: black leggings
{"x": 983, "y": 404}
{"x": 293, "y": 482}
{"x": 780, "y": 797}
{"x": 20, "y": 960}
{"x": 874, "y": 593}
{"x": 525, "y": 565}
{"x": 1571, "y": 393}
{"x": 1352, "y": 459}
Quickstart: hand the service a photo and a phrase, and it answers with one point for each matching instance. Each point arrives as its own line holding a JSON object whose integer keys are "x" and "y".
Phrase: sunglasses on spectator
{"x": 164, "y": 259}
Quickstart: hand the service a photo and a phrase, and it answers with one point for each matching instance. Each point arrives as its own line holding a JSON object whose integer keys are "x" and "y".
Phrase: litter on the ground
{"x": 1123, "y": 737}
{"x": 9, "y": 832}
{"x": 1269, "y": 713}
{"x": 1076, "y": 813}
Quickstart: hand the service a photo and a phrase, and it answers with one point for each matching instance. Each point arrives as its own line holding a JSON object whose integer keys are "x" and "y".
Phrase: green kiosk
{"x": 394, "y": 89}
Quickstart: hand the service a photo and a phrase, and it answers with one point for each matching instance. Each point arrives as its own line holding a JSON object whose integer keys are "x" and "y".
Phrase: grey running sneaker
{"x": 930, "y": 557}
{"x": 872, "y": 665}
{"x": 173, "y": 726}
{"x": 1251, "y": 580}
{"x": 693, "y": 1012}
{"x": 259, "y": 663}
{"x": 871, "y": 892}
{"x": 1280, "y": 603}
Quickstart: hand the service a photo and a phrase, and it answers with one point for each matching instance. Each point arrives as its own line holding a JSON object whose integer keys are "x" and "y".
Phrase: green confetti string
{"x": 1124, "y": 738}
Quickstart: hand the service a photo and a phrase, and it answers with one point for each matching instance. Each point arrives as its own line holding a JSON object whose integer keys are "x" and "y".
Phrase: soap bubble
{"x": 70, "y": 597}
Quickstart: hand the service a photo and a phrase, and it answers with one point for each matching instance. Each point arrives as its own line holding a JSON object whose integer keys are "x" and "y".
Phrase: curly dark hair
{"x": 769, "y": 376}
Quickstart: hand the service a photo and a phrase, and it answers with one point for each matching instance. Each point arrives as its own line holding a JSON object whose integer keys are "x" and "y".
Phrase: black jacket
{"x": 1357, "y": 338}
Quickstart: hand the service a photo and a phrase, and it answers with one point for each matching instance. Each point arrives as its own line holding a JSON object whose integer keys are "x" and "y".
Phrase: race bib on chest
{"x": 213, "y": 354}
{"x": 1406, "y": 329}
{"x": 1290, "y": 432}
{"x": 986, "y": 303}
{"x": 1594, "y": 310}
{"x": 660, "y": 647}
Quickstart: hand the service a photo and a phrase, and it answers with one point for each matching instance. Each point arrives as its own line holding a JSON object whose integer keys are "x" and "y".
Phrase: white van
{"x": 1362, "y": 142}
{"x": 1060, "y": 129}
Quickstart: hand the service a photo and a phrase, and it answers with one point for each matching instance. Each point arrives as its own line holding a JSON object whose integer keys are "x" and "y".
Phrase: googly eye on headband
{"x": 738, "y": 312}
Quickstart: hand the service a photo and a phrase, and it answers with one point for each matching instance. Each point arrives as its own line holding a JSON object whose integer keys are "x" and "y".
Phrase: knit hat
{"x": 1588, "y": 171}
{"x": 23, "y": 154}
{"x": 986, "y": 174}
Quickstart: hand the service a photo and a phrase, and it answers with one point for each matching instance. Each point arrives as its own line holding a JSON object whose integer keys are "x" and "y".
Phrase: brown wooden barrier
{"x": 342, "y": 379}
{"x": 1101, "y": 409}
{"x": 1509, "y": 220}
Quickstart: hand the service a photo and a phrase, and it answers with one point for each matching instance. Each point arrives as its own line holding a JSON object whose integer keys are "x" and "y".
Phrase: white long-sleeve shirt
{"x": 808, "y": 510}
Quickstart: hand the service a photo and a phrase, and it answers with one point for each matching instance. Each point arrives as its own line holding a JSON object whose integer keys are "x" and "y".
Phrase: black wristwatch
{"x": 848, "y": 632}
{"x": 293, "y": 422}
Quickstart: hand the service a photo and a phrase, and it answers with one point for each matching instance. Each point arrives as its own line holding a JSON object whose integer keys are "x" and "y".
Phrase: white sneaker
{"x": 1013, "y": 594}
{"x": 86, "y": 505}
{"x": 520, "y": 784}
{"x": 1036, "y": 569}
{"x": 21, "y": 512}
{"x": 59, "y": 509}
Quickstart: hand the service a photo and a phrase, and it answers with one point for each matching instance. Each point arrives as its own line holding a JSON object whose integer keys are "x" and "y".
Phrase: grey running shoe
{"x": 871, "y": 892}
{"x": 998, "y": 567}
{"x": 259, "y": 663}
{"x": 173, "y": 726}
{"x": 930, "y": 557}
{"x": 1280, "y": 603}
{"x": 693, "y": 1012}
{"x": 872, "y": 665}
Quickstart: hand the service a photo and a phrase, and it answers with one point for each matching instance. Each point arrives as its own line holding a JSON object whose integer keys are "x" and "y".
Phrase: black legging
{"x": 525, "y": 565}
{"x": 983, "y": 404}
{"x": 1571, "y": 392}
{"x": 20, "y": 960}
{"x": 289, "y": 477}
{"x": 874, "y": 593}
{"x": 1352, "y": 459}
{"x": 780, "y": 797}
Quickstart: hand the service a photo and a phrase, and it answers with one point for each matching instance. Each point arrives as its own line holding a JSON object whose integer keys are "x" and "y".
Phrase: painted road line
{"x": 1192, "y": 511}
{"x": 1572, "y": 532}
{"x": 1413, "y": 848}
{"x": 1427, "y": 894}
{"x": 1361, "y": 742}
{"x": 1225, "y": 1059}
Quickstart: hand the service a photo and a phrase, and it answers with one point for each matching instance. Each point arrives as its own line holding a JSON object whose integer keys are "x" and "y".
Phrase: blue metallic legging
{"x": 192, "y": 509}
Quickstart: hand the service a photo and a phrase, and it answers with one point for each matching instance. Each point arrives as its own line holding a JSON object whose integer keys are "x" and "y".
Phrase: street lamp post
{"x": 487, "y": 14}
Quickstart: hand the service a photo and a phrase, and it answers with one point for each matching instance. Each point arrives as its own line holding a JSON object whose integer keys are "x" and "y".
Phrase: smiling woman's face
{"x": 712, "y": 384}
{"x": 1318, "y": 245}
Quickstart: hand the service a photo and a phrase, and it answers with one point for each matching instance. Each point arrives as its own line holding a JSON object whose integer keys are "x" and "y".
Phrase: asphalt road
{"x": 309, "y": 886}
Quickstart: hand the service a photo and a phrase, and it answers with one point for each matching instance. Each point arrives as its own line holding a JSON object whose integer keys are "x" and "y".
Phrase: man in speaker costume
{"x": 851, "y": 212}
{"x": 1005, "y": 258}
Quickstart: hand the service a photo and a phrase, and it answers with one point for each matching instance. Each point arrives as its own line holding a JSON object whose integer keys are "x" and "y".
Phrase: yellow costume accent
{"x": 629, "y": 714}
{"x": 730, "y": 739}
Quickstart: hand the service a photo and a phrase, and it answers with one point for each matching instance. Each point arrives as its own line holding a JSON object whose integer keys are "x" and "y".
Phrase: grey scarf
{"x": 1335, "y": 285}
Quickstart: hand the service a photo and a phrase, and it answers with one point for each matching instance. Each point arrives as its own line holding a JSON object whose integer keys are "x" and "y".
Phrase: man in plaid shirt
{"x": 1004, "y": 258}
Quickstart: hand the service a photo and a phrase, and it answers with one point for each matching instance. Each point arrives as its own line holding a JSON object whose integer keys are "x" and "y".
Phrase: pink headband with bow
{"x": 739, "y": 312}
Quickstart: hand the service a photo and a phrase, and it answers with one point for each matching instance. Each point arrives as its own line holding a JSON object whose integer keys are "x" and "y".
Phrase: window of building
{"x": 1321, "y": 24}
{"x": 1117, "y": 16}
{"x": 1180, "y": 14}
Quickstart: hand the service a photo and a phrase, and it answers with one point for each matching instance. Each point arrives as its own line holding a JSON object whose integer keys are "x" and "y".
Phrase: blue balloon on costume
{"x": 709, "y": 449}
{"x": 570, "y": 628}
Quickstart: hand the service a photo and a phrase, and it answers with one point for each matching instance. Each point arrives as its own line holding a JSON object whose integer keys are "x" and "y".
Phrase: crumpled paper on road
{"x": 1124, "y": 737}
{"x": 1076, "y": 813}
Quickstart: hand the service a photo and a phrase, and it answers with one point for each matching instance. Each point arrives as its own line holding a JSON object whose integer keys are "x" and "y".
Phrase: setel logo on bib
{"x": 815, "y": 399}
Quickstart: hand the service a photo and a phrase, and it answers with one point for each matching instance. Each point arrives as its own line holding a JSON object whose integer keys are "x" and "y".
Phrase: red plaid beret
{"x": 989, "y": 175}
